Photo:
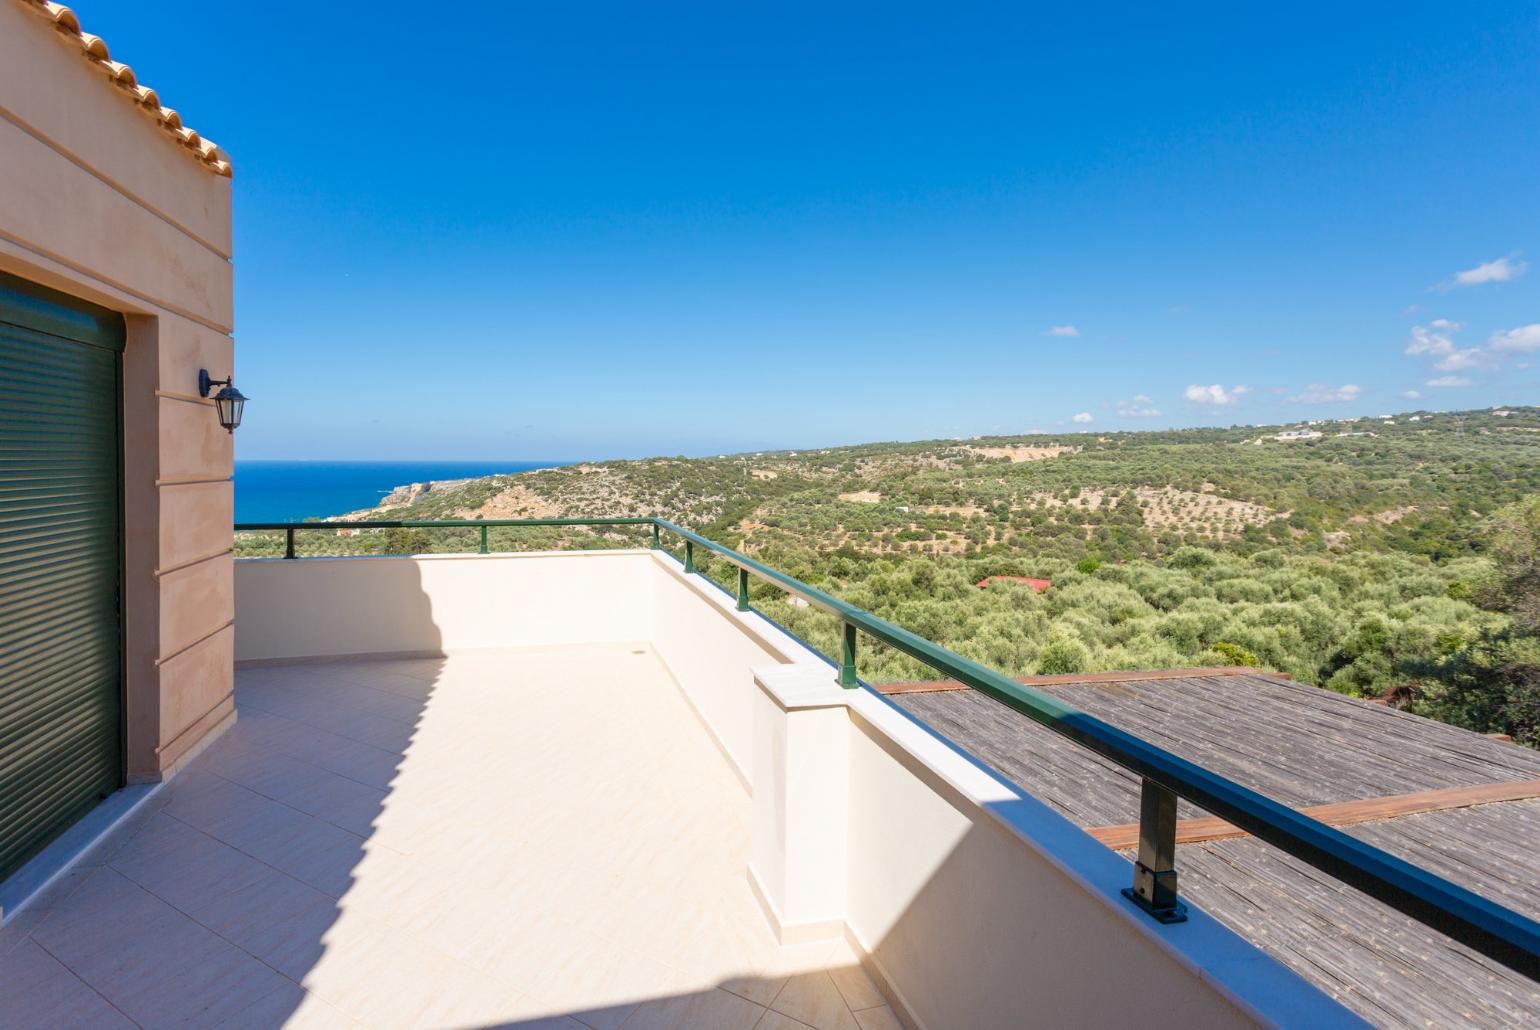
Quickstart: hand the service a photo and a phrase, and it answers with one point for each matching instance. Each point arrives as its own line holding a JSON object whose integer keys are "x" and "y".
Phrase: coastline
{"x": 294, "y": 491}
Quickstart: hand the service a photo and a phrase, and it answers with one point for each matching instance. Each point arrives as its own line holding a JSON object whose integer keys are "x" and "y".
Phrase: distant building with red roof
{"x": 1036, "y": 584}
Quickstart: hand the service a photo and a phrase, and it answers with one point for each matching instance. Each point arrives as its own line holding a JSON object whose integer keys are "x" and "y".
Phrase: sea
{"x": 292, "y": 491}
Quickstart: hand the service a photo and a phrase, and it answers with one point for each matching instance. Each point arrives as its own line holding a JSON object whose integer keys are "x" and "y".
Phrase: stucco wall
{"x": 323, "y": 607}
{"x": 102, "y": 204}
{"x": 712, "y": 649}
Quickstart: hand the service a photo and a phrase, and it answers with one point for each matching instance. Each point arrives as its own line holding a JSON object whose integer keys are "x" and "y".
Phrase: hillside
{"x": 1356, "y": 559}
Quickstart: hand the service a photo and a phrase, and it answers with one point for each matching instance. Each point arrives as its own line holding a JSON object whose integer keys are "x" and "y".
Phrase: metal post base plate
{"x": 1178, "y": 914}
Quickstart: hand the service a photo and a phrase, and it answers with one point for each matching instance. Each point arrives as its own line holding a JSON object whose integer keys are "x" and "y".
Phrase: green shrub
{"x": 1233, "y": 654}
{"x": 1062, "y": 654}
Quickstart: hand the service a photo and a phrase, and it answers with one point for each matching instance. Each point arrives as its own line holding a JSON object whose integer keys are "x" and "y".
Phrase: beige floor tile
{"x": 539, "y": 1022}
{"x": 309, "y": 849}
{"x": 292, "y": 1008}
{"x": 756, "y": 988}
{"x": 104, "y": 910}
{"x": 38, "y": 991}
{"x": 257, "y": 917}
{"x": 596, "y": 984}
{"x": 707, "y": 1009}
{"x": 813, "y": 999}
{"x": 473, "y": 999}
{"x": 57, "y": 892}
{"x": 879, "y": 1018}
{"x": 775, "y": 1021}
{"x": 149, "y": 961}
{"x": 378, "y": 976}
{"x": 855, "y": 986}
{"x": 184, "y": 866}
{"x": 18, "y": 929}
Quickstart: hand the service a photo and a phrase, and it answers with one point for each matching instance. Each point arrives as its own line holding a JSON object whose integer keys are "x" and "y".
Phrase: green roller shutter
{"x": 60, "y": 560}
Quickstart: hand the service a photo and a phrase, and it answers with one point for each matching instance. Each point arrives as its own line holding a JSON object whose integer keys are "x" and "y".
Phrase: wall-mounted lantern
{"x": 228, "y": 402}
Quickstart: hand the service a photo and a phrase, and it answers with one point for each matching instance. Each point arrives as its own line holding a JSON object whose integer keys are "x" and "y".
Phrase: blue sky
{"x": 569, "y": 231}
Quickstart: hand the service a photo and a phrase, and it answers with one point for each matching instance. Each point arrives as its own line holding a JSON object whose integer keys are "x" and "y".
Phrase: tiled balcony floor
{"x": 524, "y": 838}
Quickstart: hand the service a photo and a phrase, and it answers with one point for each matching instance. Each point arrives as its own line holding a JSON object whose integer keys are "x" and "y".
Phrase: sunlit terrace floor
{"x": 544, "y": 837}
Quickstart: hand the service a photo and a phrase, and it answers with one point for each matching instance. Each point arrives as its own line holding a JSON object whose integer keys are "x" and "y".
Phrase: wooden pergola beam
{"x": 1128, "y": 676}
{"x": 1338, "y": 813}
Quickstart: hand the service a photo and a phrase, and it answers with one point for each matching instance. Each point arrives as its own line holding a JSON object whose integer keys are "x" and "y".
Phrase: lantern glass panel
{"x": 230, "y": 405}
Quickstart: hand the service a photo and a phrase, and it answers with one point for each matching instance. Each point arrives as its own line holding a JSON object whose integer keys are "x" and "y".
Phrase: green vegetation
{"x": 1492, "y": 683}
{"x": 1397, "y": 560}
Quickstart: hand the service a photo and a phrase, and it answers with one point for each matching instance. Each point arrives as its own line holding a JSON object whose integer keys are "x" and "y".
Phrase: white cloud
{"x": 1140, "y": 407}
{"x": 1436, "y": 340}
{"x": 1214, "y": 394}
{"x": 1525, "y": 338}
{"x": 1499, "y": 271}
{"x": 1084, "y": 416}
{"x": 1464, "y": 360}
{"x": 1320, "y": 393}
{"x": 1061, "y": 330}
{"x": 1411, "y": 395}
{"x": 1437, "y": 337}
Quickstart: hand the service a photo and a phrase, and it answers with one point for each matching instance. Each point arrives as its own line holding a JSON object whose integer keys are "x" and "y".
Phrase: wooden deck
{"x": 1390, "y": 969}
{"x": 1461, "y": 804}
{"x": 1297, "y": 744}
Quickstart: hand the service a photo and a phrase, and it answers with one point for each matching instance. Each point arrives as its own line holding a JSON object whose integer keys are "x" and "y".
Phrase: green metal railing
{"x": 1482, "y": 925}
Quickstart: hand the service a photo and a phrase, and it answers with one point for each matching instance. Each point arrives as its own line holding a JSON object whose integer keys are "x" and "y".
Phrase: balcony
{"x": 586, "y": 788}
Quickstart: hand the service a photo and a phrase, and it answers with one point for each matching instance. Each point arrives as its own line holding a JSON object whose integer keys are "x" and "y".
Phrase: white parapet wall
{"x": 432, "y": 604}
{"x": 974, "y": 904}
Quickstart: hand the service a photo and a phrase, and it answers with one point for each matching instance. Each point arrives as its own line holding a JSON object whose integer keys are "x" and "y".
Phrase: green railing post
{"x": 743, "y": 590}
{"x": 1155, "y": 888}
{"x": 483, "y": 539}
{"x": 288, "y": 542}
{"x": 656, "y": 539}
{"x": 848, "y": 656}
{"x": 689, "y": 556}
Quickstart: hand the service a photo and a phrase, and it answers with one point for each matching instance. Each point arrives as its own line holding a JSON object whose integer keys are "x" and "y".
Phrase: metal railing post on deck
{"x": 483, "y": 539}
{"x": 848, "y": 678}
{"x": 1154, "y": 888}
{"x": 689, "y": 556}
{"x": 743, "y": 590}
{"x": 288, "y": 542}
{"x": 656, "y": 537}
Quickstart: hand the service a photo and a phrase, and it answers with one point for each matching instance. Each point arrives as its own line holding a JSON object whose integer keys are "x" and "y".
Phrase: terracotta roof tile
{"x": 95, "y": 50}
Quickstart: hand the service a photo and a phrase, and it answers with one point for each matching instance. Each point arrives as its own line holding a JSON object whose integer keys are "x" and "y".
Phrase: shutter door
{"x": 60, "y": 556}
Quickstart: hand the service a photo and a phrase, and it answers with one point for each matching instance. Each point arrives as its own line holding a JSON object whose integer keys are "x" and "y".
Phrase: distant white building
{"x": 1290, "y": 435}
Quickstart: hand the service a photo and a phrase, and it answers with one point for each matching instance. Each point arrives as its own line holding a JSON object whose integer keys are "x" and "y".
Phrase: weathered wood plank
{"x": 1343, "y": 813}
{"x": 1060, "y": 679}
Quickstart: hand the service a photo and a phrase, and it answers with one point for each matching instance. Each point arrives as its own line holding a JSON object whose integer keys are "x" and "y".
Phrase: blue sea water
{"x": 290, "y": 491}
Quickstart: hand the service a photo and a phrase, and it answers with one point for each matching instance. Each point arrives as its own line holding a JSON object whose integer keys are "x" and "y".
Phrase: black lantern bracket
{"x": 205, "y": 383}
